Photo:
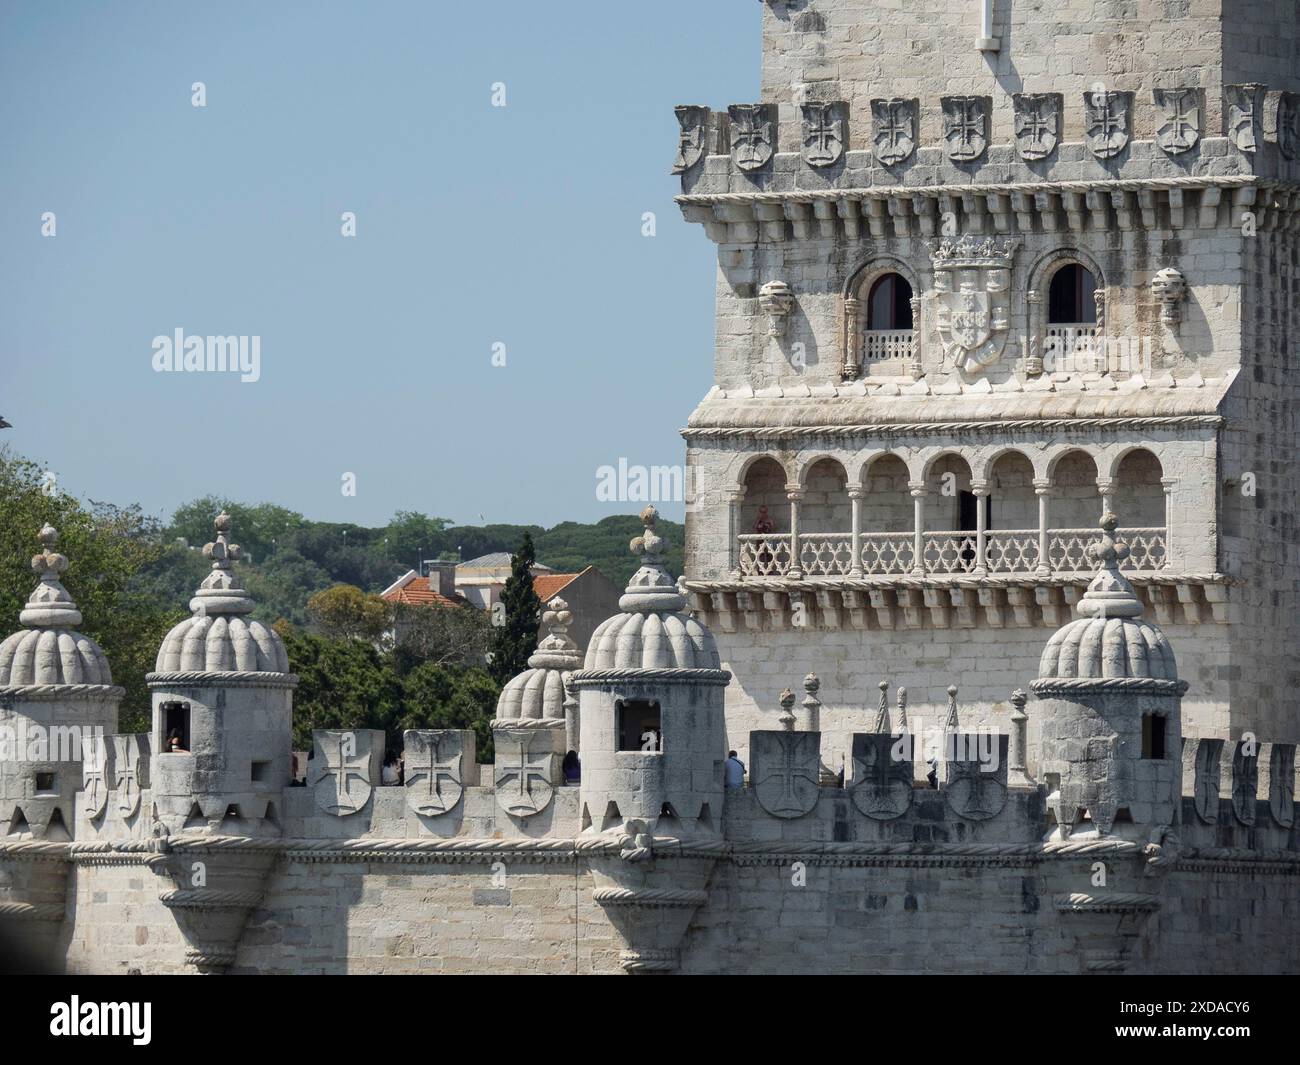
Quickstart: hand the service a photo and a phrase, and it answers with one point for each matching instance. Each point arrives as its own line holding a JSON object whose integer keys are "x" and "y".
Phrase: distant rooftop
{"x": 497, "y": 560}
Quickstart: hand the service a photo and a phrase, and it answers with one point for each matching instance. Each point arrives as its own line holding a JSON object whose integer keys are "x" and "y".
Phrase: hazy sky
{"x": 476, "y": 225}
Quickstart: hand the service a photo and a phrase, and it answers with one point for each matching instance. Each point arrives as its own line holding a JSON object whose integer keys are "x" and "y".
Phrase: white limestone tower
{"x": 222, "y": 684}
{"x": 1110, "y": 705}
{"x": 651, "y": 718}
{"x": 57, "y": 703}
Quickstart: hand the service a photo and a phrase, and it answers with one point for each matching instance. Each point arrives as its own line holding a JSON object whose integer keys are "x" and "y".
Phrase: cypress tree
{"x": 516, "y": 620}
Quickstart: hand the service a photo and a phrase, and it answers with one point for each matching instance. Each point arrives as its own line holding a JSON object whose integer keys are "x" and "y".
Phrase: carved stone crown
{"x": 972, "y": 251}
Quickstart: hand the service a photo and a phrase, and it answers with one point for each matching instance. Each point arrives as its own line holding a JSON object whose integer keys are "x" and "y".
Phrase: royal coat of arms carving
{"x": 784, "y": 771}
{"x": 965, "y": 126}
{"x": 825, "y": 132}
{"x": 882, "y": 775}
{"x": 893, "y": 133}
{"x": 1245, "y": 115}
{"x": 972, "y": 280}
{"x": 1178, "y": 114}
{"x": 692, "y": 138}
{"x": 1038, "y": 123}
{"x": 753, "y": 134}
{"x": 1108, "y": 121}
{"x": 434, "y": 760}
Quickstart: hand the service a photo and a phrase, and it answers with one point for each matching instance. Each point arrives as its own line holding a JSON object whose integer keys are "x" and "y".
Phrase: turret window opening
{"x": 1153, "y": 736}
{"x": 639, "y": 726}
{"x": 175, "y": 728}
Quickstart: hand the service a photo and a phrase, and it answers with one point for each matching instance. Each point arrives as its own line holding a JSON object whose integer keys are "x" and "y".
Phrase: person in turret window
{"x": 175, "y": 745}
{"x": 572, "y": 767}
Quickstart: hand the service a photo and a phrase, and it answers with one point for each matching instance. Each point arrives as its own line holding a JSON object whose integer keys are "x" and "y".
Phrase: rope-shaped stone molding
{"x": 1035, "y": 425}
{"x": 1110, "y": 902}
{"x": 1077, "y": 685}
{"x": 32, "y": 911}
{"x": 884, "y": 192}
{"x": 657, "y": 961}
{"x": 527, "y": 723}
{"x": 235, "y": 678}
{"x": 207, "y": 899}
{"x": 35, "y": 849}
{"x": 653, "y": 897}
{"x": 211, "y": 959}
{"x": 61, "y": 691}
{"x": 657, "y": 675}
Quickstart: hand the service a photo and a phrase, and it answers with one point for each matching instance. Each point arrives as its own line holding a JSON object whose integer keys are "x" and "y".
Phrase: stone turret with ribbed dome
{"x": 53, "y": 680}
{"x": 1110, "y": 705}
{"x": 650, "y": 707}
{"x": 222, "y": 709}
{"x": 219, "y": 637}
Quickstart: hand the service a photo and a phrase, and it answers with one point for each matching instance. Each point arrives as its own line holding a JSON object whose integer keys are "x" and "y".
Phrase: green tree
{"x": 107, "y": 547}
{"x": 413, "y": 537}
{"x": 346, "y": 612}
{"x": 457, "y": 637}
{"x": 436, "y": 697}
{"x": 514, "y": 634}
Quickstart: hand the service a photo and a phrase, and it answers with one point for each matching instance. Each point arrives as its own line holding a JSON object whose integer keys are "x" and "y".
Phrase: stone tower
{"x": 977, "y": 285}
{"x": 1109, "y": 699}
{"x": 222, "y": 685}
{"x": 650, "y": 709}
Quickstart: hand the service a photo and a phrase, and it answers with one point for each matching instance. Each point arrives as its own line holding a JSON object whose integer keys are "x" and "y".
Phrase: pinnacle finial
{"x": 882, "y": 711}
{"x": 49, "y": 561}
{"x": 787, "y": 710}
{"x": 649, "y": 543}
{"x": 1109, "y": 594}
{"x": 50, "y": 605}
{"x": 902, "y": 709}
{"x": 952, "y": 706}
{"x": 222, "y": 551}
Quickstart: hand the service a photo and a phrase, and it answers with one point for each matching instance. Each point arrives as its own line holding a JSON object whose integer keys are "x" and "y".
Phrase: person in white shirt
{"x": 734, "y": 771}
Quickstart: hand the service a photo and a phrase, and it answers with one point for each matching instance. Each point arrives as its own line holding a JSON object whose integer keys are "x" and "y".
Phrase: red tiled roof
{"x": 416, "y": 592}
{"x": 549, "y": 585}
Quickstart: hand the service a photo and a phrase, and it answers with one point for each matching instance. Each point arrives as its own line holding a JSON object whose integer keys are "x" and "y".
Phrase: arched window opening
{"x": 1070, "y": 297}
{"x": 889, "y": 303}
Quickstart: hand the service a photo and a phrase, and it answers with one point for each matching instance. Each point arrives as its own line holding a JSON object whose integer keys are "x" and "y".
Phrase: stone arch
{"x": 825, "y": 506}
{"x": 948, "y": 500}
{"x": 867, "y": 271}
{"x": 804, "y": 464}
{"x": 984, "y": 459}
{"x": 1076, "y": 500}
{"x": 1041, "y": 271}
{"x": 887, "y": 498}
{"x": 764, "y": 479}
{"x": 1137, "y": 491}
{"x": 750, "y": 461}
{"x": 1013, "y": 501}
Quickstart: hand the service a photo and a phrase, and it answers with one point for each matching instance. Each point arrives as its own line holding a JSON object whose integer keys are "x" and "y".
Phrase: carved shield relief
{"x": 1038, "y": 123}
{"x": 1245, "y": 782}
{"x": 1245, "y": 115}
{"x": 972, "y": 278}
{"x": 94, "y": 777}
{"x": 1286, "y": 124}
{"x": 130, "y": 771}
{"x": 1108, "y": 122}
{"x": 1178, "y": 119}
{"x": 1205, "y": 789}
{"x": 523, "y": 775}
{"x": 893, "y": 134}
{"x": 882, "y": 775}
{"x": 976, "y": 786}
{"x": 784, "y": 771}
{"x": 692, "y": 136}
{"x": 825, "y": 133}
{"x": 965, "y": 126}
{"x": 340, "y": 771}
{"x": 753, "y": 134}
{"x": 433, "y": 760}
{"x": 1281, "y": 784}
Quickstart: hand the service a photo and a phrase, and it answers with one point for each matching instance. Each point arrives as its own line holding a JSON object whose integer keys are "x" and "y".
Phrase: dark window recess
{"x": 889, "y": 304}
{"x": 45, "y": 782}
{"x": 1153, "y": 736}
{"x": 259, "y": 771}
{"x": 1069, "y": 297}
{"x": 176, "y": 718}
{"x": 639, "y": 725}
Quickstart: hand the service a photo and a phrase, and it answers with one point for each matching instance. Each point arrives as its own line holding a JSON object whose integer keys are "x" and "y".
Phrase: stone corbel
{"x": 881, "y": 603}
{"x": 1170, "y": 289}
{"x": 723, "y": 614}
{"x": 777, "y": 301}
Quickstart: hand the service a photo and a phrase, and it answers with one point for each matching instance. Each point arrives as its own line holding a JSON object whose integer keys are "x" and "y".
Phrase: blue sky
{"x": 475, "y": 225}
